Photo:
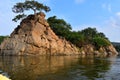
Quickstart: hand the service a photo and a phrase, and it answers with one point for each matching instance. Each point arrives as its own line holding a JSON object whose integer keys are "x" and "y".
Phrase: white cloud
{"x": 6, "y": 15}
{"x": 108, "y": 7}
{"x": 118, "y": 14}
{"x": 103, "y": 5}
{"x": 111, "y": 27}
{"x": 79, "y": 1}
{"x": 111, "y": 32}
{"x": 114, "y": 21}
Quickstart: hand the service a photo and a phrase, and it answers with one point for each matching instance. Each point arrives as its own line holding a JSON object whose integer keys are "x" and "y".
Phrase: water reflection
{"x": 55, "y": 67}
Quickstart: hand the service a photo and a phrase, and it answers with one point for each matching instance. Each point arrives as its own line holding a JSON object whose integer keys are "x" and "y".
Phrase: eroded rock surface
{"x": 34, "y": 37}
{"x": 102, "y": 51}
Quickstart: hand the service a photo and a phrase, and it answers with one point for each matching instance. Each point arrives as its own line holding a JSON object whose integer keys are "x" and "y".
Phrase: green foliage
{"x": 101, "y": 42}
{"x": 21, "y": 7}
{"x": 88, "y": 33}
{"x": 59, "y": 26}
{"x": 2, "y": 38}
{"x": 75, "y": 38}
{"x": 18, "y": 17}
{"x": 92, "y": 36}
{"x": 79, "y": 38}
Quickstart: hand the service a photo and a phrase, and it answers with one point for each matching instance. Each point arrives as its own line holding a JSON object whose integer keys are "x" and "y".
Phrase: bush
{"x": 79, "y": 38}
{"x": 100, "y": 42}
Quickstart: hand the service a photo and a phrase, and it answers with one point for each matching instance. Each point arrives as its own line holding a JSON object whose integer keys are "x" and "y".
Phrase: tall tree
{"x": 21, "y": 7}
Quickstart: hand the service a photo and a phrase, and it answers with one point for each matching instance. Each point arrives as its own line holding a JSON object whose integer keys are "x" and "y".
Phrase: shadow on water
{"x": 55, "y": 67}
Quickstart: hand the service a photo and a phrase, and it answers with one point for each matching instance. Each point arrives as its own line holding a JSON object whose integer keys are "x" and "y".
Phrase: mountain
{"x": 116, "y": 43}
{"x": 117, "y": 46}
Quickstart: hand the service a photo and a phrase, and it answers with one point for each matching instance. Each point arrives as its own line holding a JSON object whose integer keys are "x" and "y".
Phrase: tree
{"x": 89, "y": 33}
{"x": 21, "y": 7}
{"x": 100, "y": 42}
{"x": 76, "y": 38}
{"x": 59, "y": 26}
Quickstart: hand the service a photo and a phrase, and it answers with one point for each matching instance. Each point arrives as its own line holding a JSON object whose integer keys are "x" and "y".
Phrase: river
{"x": 60, "y": 68}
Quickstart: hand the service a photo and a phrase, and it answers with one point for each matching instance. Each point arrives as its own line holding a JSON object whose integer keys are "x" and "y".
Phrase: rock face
{"x": 102, "y": 51}
{"x": 34, "y": 37}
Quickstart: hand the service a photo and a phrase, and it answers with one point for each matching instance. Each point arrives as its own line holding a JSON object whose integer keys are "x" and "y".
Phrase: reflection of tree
{"x": 54, "y": 68}
{"x": 86, "y": 68}
{"x": 94, "y": 67}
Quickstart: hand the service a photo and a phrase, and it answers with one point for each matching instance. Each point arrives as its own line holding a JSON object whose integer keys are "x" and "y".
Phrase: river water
{"x": 60, "y": 68}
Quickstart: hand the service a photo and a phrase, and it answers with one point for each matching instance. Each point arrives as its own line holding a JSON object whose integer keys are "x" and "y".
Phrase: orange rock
{"x": 33, "y": 37}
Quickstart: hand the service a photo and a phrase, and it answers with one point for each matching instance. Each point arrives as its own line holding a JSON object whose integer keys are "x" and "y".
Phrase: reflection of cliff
{"x": 23, "y": 68}
{"x": 54, "y": 67}
{"x": 88, "y": 68}
{"x": 94, "y": 68}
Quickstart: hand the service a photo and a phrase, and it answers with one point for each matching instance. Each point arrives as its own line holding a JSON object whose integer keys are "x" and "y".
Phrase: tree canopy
{"x": 59, "y": 26}
{"x": 79, "y": 38}
{"x": 21, "y": 7}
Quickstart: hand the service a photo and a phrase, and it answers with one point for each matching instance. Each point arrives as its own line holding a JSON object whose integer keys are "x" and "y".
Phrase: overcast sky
{"x": 104, "y": 15}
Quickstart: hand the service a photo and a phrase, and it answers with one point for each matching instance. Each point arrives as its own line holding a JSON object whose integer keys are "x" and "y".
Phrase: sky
{"x": 104, "y": 15}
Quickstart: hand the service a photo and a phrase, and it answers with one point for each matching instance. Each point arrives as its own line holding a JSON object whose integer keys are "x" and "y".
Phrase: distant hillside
{"x": 117, "y": 46}
{"x": 116, "y": 43}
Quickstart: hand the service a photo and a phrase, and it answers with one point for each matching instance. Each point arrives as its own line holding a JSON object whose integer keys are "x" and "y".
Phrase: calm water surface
{"x": 60, "y": 68}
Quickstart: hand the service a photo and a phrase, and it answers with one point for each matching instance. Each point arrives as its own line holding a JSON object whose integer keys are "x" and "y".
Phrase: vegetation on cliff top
{"x": 21, "y": 7}
{"x": 79, "y": 38}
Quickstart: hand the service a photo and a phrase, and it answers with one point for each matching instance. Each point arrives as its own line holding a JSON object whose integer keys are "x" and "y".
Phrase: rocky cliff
{"x": 34, "y": 37}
